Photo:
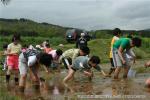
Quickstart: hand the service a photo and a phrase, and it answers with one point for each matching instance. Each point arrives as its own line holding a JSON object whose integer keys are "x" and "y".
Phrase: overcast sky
{"x": 86, "y": 14}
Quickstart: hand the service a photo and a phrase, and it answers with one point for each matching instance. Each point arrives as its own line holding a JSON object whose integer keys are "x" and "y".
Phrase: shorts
{"x": 23, "y": 65}
{"x": 117, "y": 60}
{"x": 12, "y": 61}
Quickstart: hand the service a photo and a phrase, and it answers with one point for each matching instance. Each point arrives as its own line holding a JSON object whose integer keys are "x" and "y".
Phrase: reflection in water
{"x": 120, "y": 88}
{"x": 52, "y": 88}
{"x": 124, "y": 87}
{"x": 56, "y": 90}
{"x": 85, "y": 88}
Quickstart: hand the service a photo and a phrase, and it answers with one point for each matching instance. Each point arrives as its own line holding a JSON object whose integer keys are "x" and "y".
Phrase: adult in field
{"x": 82, "y": 41}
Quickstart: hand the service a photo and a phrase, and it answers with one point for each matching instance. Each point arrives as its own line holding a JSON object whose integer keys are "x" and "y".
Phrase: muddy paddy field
{"x": 100, "y": 88}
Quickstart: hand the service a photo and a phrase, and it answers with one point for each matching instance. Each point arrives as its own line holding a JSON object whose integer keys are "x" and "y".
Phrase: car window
{"x": 69, "y": 32}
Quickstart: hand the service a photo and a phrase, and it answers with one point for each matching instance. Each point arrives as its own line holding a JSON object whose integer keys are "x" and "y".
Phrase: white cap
{"x": 82, "y": 34}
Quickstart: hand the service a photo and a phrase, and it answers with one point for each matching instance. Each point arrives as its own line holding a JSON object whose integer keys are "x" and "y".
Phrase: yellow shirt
{"x": 71, "y": 53}
{"x": 115, "y": 38}
{"x": 14, "y": 48}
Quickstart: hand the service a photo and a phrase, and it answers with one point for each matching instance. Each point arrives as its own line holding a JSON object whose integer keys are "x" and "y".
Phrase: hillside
{"x": 27, "y": 27}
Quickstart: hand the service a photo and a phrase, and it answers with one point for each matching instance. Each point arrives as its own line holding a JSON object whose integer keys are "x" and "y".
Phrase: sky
{"x": 84, "y": 14}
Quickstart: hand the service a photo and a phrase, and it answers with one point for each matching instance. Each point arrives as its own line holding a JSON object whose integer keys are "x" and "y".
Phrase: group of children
{"x": 121, "y": 54}
{"x": 20, "y": 60}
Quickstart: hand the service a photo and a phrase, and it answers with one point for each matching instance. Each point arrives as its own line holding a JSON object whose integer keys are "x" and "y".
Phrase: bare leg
{"x": 117, "y": 71}
{"x": 35, "y": 78}
{"x": 16, "y": 72}
{"x": 126, "y": 70}
{"x": 8, "y": 74}
{"x": 69, "y": 76}
{"x": 22, "y": 82}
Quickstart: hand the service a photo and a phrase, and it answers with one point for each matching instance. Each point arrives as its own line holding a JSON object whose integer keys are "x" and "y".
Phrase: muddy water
{"x": 100, "y": 88}
{"x": 53, "y": 89}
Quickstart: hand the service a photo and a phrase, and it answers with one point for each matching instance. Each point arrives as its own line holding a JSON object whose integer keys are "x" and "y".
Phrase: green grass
{"x": 101, "y": 48}
{"x": 4, "y": 95}
{"x": 98, "y": 47}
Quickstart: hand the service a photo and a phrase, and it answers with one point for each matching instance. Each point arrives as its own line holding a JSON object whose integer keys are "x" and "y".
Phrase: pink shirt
{"x": 54, "y": 55}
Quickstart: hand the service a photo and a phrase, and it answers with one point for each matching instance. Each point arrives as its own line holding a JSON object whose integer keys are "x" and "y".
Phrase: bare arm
{"x": 46, "y": 68}
{"x": 87, "y": 73}
{"x": 103, "y": 73}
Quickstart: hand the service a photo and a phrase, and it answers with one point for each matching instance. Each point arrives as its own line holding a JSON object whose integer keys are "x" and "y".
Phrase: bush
{"x": 146, "y": 45}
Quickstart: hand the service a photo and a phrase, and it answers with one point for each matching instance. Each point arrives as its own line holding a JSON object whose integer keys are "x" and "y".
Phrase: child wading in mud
{"x": 116, "y": 33}
{"x": 69, "y": 55}
{"x": 120, "y": 48}
{"x": 31, "y": 60}
{"x": 84, "y": 64}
